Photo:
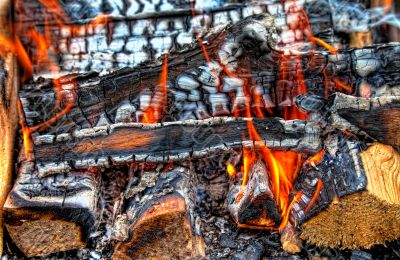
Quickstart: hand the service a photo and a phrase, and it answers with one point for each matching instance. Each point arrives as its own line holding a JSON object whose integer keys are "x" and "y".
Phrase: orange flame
{"x": 388, "y": 5}
{"x": 324, "y": 44}
{"x": 316, "y": 159}
{"x": 341, "y": 85}
{"x": 315, "y": 196}
{"x": 154, "y": 112}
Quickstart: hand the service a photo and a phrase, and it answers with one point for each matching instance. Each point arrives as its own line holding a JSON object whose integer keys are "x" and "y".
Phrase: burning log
{"x": 253, "y": 205}
{"x": 164, "y": 142}
{"x": 358, "y": 219}
{"x": 53, "y": 213}
{"x": 9, "y": 83}
{"x": 160, "y": 219}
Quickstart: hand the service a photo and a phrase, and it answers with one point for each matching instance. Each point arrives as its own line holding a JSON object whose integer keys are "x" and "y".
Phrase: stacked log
{"x": 103, "y": 129}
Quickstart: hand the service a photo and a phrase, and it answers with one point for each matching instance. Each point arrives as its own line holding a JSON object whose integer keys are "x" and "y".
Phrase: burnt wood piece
{"x": 173, "y": 141}
{"x": 340, "y": 173}
{"x": 189, "y": 77}
{"x": 160, "y": 220}
{"x": 248, "y": 49}
{"x": 9, "y": 84}
{"x": 51, "y": 214}
{"x": 109, "y": 45}
{"x": 253, "y": 205}
{"x": 382, "y": 168}
{"x": 378, "y": 117}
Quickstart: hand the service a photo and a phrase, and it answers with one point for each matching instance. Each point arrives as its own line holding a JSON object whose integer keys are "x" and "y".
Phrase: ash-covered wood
{"x": 51, "y": 214}
{"x": 124, "y": 143}
{"x": 160, "y": 219}
{"x": 382, "y": 169}
{"x": 378, "y": 117}
{"x": 246, "y": 68}
{"x": 340, "y": 172}
{"x": 253, "y": 205}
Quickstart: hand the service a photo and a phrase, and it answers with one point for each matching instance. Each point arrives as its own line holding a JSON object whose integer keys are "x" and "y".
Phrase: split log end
{"x": 358, "y": 221}
{"x": 382, "y": 168}
{"x": 161, "y": 231}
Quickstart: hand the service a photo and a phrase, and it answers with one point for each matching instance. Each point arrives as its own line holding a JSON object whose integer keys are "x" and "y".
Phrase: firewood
{"x": 358, "y": 221}
{"x": 164, "y": 142}
{"x": 9, "y": 83}
{"x": 339, "y": 172}
{"x": 160, "y": 219}
{"x": 252, "y": 205}
{"x": 378, "y": 117}
{"x": 51, "y": 214}
{"x": 382, "y": 168}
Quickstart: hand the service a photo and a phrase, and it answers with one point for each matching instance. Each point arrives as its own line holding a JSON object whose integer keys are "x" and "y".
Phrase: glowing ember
{"x": 230, "y": 169}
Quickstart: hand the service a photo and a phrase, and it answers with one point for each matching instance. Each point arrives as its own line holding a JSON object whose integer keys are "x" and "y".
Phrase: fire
{"x": 315, "y": 196}
{"x": 316, "y": 159}
{"x": 42, "y": 60}
{"x": 230, "y": 169}
{"x": 324, "y": 44}
{"x": 154, "y": 112}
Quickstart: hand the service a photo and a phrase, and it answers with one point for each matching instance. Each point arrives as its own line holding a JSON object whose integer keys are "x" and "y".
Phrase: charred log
{"x": 253, "y": 205}
{"x": 159, "y": 217}
{"x": 167, "y": 142}
{"x": 378, "y": 117}
{"x": 51, "y": 214}
{"x": 337, "y": 174}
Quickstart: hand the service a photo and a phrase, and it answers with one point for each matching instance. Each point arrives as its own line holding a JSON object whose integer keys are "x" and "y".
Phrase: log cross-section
{"x": 51, "y": 214}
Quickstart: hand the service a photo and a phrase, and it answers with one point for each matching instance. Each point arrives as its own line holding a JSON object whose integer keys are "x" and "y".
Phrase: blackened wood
{"x": 51, "y": 214}
{"x": 171, "y": 142}
{"x": 253, "y": 204}
{"x": 378, "y": 118}
{"x": 340, "y": 173}
{"x": 160, "y": 217}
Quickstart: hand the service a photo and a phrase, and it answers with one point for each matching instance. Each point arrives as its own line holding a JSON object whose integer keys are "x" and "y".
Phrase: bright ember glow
{"x": 231, "y": 170}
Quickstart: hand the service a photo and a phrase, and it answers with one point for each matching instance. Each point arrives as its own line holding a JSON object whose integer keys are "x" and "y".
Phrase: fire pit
{"x": 200, "y": 129}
